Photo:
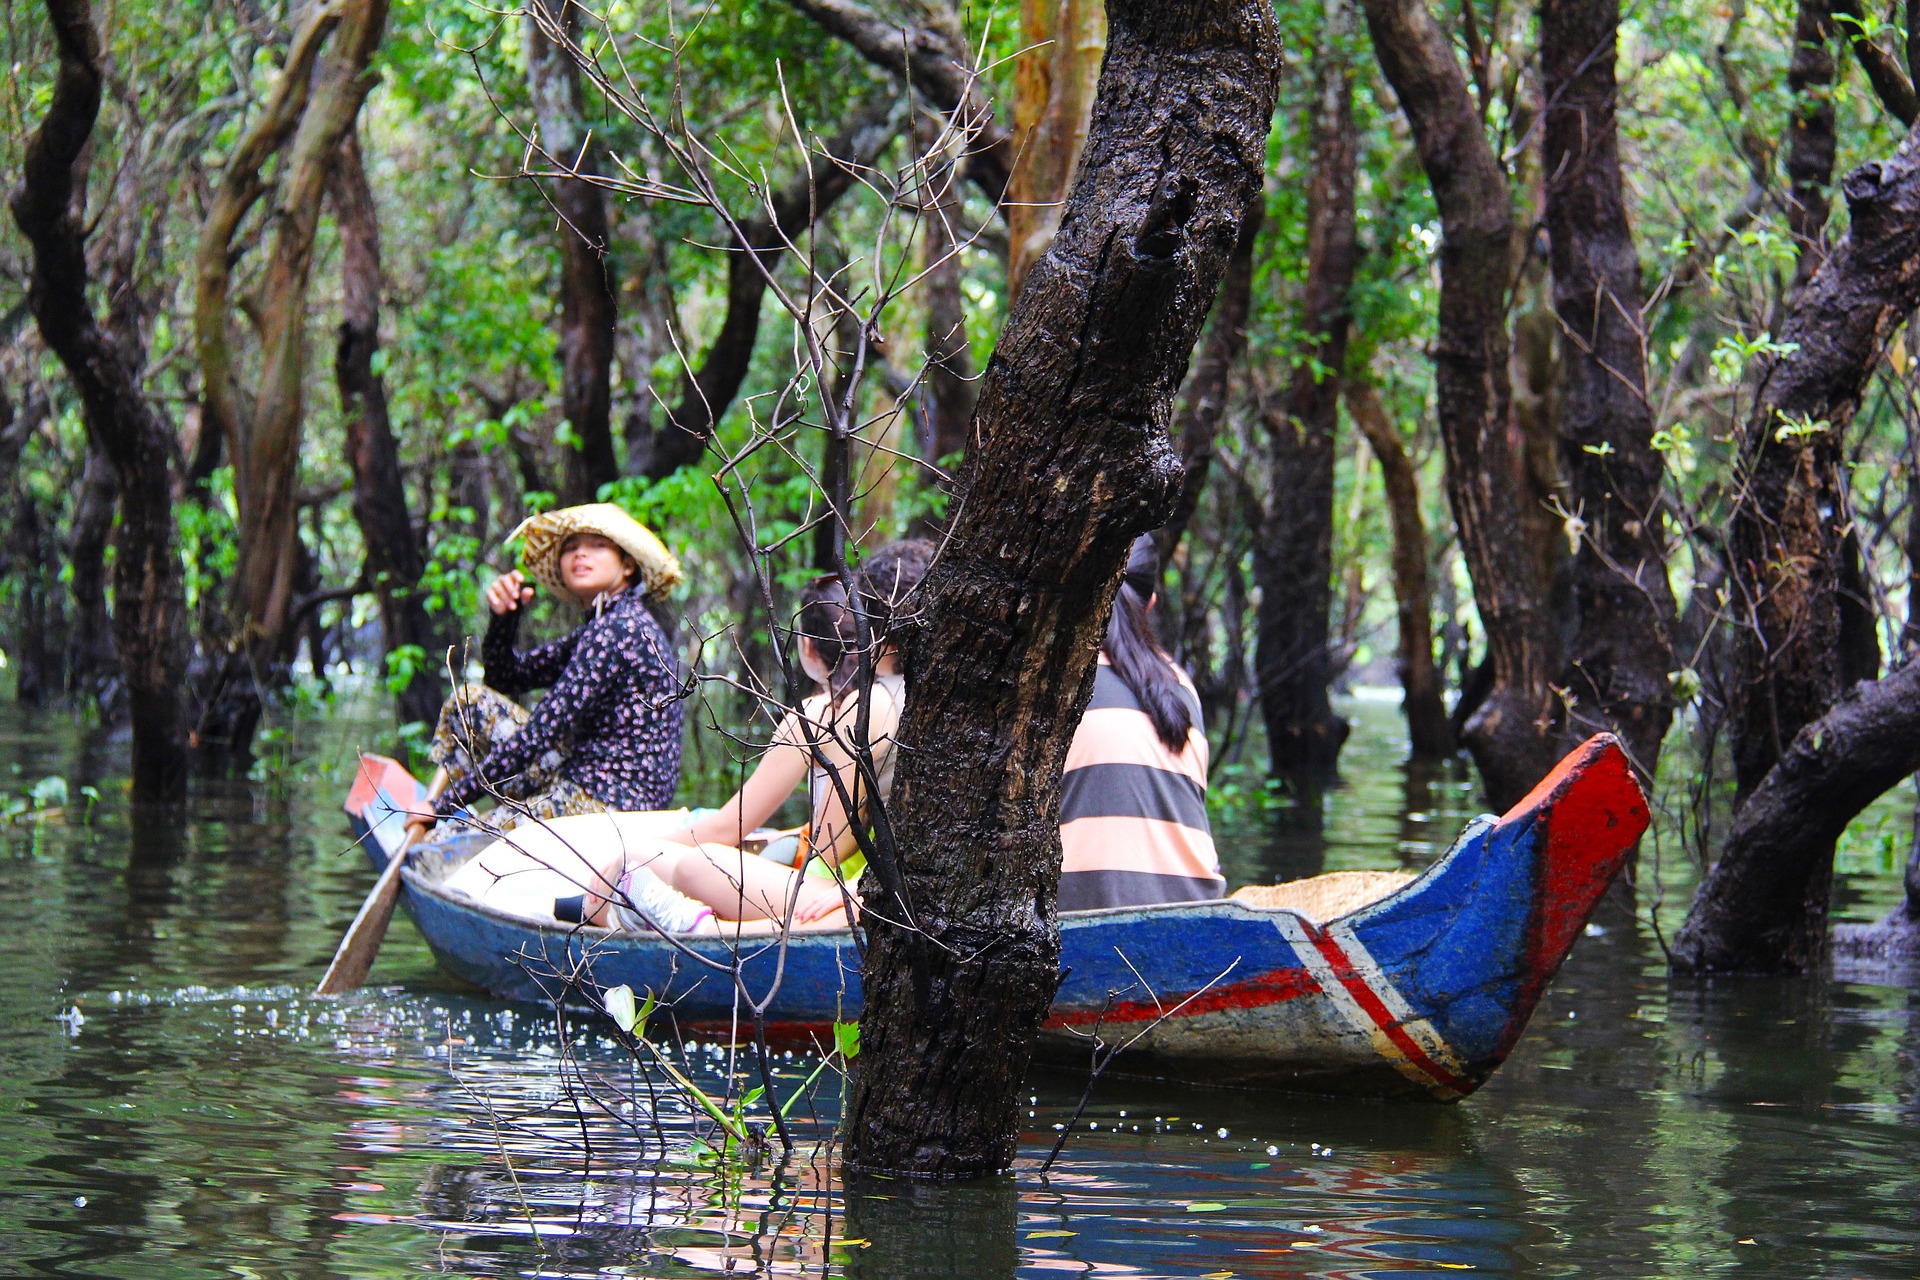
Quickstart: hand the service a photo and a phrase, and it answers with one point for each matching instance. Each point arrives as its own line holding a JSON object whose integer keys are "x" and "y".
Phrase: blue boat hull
{"x": 1424, "y": 992}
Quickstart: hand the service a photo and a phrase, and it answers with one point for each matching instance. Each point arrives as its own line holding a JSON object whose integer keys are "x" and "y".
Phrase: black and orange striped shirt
{"x": 1133, "y": 812}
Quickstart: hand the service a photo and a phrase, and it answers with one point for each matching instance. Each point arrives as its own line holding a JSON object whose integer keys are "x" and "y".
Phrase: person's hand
{"x": 817, "y": 900}
{"x": 418, "y": 825}
{"x": 508, "y": 592}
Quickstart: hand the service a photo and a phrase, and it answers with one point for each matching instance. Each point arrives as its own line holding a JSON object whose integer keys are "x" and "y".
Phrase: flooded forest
{"x": 1404, "y": 410}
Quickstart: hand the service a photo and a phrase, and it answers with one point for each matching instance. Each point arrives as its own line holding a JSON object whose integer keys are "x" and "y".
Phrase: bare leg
{"x": 605, "y": 889}
{"x": 746, "y": 887}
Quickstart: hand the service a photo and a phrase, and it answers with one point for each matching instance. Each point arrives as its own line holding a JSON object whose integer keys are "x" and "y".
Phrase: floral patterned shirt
{"x": 613, "y": 709}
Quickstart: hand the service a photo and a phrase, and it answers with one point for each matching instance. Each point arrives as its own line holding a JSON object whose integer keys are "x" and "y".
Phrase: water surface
{"x": 177, "y": 1106}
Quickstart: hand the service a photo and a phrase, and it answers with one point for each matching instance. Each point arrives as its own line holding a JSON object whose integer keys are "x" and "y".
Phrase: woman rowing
{"x": 607, "y": 734}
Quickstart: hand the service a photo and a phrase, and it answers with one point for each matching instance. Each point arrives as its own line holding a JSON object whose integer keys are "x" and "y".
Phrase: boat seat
{"x": 1327, "y": 897}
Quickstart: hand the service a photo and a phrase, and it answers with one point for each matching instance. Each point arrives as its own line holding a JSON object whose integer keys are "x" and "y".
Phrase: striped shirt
{"x": 1133, "y": 814}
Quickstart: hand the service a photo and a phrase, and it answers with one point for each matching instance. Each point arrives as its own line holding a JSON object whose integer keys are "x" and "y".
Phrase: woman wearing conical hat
{"x": 607, "y": 734}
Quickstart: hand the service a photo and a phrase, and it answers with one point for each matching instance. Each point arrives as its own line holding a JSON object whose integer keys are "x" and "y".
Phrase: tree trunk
{"x": 394, "y": 562}
{"x": 1430, "y": 737}
{"x": 1791, "y": 517}
{"x": 1205, "y": 399}
{"x": 1293, "y": 549}
{"x": 316, "y": 108}
{"x": 1890, "y": 83}
{"x": 1072, "y": 461}
{"x": 1509, "y": 733}
{"x": 26, "y": 555}
{"x": 1062, "y": 43}
{"x": 934, "y": 60}
{"x": 1622, "y": 647}
{"x": 1804, "y": 764}
{"x": 92, "y": 664}
{"x": 952, "y": 384}
{"x": 589, "y": 292}
{"x": 1810, "y": 136}
{"x": 149, "y": 615}
{"x": 1763, "y": 907}
{"x": 706, "y": 392}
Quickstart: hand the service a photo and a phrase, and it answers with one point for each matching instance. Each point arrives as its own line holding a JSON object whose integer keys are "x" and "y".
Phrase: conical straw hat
{"x": 543, "y": 534}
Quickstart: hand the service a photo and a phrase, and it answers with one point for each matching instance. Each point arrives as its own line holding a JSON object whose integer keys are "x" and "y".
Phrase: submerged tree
{"x": 1072, "y": 461}
{"x": 311, "y": 110}
{"x": 1764, "y": 904}
{"x": 1620, "y": 652}
{"x": 1508, "y": 733}
{"x": 1293, "y": 544}
{"x": 149, "y": 612}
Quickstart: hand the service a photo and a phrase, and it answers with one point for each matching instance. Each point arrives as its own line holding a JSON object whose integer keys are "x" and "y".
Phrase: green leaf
{"x": 846, "y": 1039}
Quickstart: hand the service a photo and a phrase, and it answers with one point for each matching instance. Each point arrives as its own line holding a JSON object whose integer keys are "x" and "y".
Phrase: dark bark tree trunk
{"x": 1811, "y": 139}
{"x": 1072, "y": 460}
{"x": 839, "y": 392}
{"x": 313, "y": 106}
{"x": 1509, "y": 733}
{"x": 589, "y": 292}
{"x": 1622, "y": 646}
{"x": 1293, "y": 548}
{"x": 149, "y": 617}
{"x": 1204, "y": 401}
{"x": 1890, "y": 84}
{"x": 1791, "y": 517}
{"x": 394, "y": 561}
{"x": 93, "y": 666}
{"x": 706, "y": 392}
{"x": 28, "y": 557}
{"x": 1804, "y": 763}
{"x": 935, "y": 61}
{"x": 1430, "y": 736}
{"x": 1763, "y": 907}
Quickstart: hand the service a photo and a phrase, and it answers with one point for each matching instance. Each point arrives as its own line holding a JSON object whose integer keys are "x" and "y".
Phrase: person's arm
{"x": 833, "y": 835}
{"x": 581, "y": 687}
{"x": 513, "y": 672}
{"x": 781, "y": 770}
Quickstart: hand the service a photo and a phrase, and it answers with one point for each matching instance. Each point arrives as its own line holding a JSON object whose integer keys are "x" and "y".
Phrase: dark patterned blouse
{"x": 613, "y": 709}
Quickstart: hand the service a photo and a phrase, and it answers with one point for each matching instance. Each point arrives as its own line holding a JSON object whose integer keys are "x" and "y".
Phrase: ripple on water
{"x": 177, "y": 1105}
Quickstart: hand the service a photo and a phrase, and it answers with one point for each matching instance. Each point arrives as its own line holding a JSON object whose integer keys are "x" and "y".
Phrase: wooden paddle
{"x": 354, "y": 958}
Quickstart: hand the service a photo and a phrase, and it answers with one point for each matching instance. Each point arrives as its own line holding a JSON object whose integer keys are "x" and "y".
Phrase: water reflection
{"x": 203, "y": 1116}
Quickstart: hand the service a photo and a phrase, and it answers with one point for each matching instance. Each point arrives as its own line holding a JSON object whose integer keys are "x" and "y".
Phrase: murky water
{"x": 175, "y": 1104}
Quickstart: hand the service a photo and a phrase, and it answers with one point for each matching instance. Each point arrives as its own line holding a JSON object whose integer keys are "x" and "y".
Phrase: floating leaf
{"x": 1049, "y": 1235}
{"x": 620, "y": 1006}
{"x": 1455, "y": 1266}
{"x": 1205, "y": 1206}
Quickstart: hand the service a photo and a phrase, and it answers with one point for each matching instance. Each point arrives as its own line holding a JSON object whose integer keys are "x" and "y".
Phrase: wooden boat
{"x": 1422, "y": 991}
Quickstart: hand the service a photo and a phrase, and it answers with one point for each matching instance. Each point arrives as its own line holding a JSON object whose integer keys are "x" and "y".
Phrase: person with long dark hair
{"x": 1133, "y": 798}
{"x": 692, "y": 875}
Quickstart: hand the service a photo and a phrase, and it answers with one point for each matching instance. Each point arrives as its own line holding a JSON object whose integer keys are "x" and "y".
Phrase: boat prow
{"x": 1424, "y": 991}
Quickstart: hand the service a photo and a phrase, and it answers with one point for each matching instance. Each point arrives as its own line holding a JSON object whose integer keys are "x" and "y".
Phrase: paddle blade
{"x": 353, "y": 960}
